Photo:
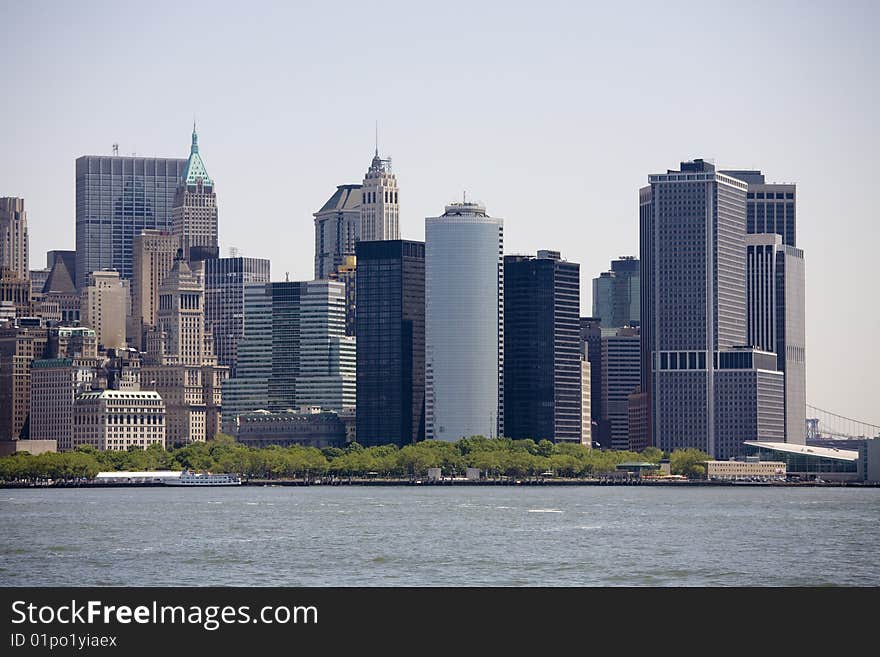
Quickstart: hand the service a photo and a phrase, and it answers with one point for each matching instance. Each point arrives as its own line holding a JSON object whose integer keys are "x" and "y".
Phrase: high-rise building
{"x": 182, "y": 366}
{"x": 639, "y": 427}
{"x": 390, "y": 342}
{"x": 542, "y": 351}
{"x": 286, "y": 348}
{"x": 464, "y": 323}
{"x": 154, "y": 252}
{"x": 20, "y": 345}
{"x": 591, "y": 349}
{"x": 225, "y": 281}
{"x": 15, "y": 293}
{"x": 380, "y": 211}
{"x": 693, "y": 294}
{"x": 347, "y": 274}
{"x": 55, "y": 384}
{"x": 60, "y": 288}
{"x": 328, "y": 356}
{"x": 586, "y": 403}
{"x": 776, "y": 319}
{"x": 621, "y": 373}
{"x": 616, "y": 294}
{"x": 336, "y": 230}
{"x": 194, "y": 214}
{"x": 770, "y": 207}
{"x": 117, "y": 198}
{"x": 104, "y": 307}
{"x": 14, "y": 237}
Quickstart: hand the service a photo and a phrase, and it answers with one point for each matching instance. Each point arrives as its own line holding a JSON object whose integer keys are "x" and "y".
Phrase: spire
{"x": 195, "y": 167}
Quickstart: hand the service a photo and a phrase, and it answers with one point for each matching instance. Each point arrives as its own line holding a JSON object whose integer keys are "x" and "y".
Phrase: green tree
{"x": 689, "y": 462}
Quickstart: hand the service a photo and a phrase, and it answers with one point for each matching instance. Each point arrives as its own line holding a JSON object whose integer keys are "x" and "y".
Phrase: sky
{"x": 553, "y": 114}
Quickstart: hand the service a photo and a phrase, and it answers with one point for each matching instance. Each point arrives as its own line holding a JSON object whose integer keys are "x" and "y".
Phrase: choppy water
{"x": 440, "y": 536}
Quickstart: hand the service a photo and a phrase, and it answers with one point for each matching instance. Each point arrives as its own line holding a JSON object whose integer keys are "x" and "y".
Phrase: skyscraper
{"x": 464, "y": 323}
{"x": 14, "y": 237}
{"x": 380, "y": 211}
{"x": 116, "y": 198}
{"x": 225, "y": 280}
{"x": 154, "y": 252}
{"x": 182, "y": 366}
{"x": 620, "y": 378}
{"x": 104, "y": 307}
{"x": 336, "y": 230}
{"x": 776, "y": 319}
{"x": 770, "y": 207}
{"x": 194, "y": 215}
{"x": 693, "y": 291}
{"x": 616, "y": 294}
{"x": 542, "y": 355}
{"x": 390, "y": 342}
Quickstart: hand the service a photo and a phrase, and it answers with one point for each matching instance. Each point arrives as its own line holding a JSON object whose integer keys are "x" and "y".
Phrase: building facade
{"x": 390, "y": 326}
{"x": 104, "y": 307}
{"x": 464, "y": 323}
{"x": 118, "y": 419}
{"x": 55, "y": 384}
{"x": 336, "y": 229}
{"x": 117, "y": 198}
{"x": 616, "y": 299}
{"x": 154, "y": 252}
{"x": 306, "y": 428}
{"x": 14, "y": 237}
{"x": 20, "y": 346}
{"x": 542, "y": 354}
{"x": 621, "y": 374}
{"x": 380, "y": 209}
{"x": 194, "y": 214}
{"x": 225, "y": 281}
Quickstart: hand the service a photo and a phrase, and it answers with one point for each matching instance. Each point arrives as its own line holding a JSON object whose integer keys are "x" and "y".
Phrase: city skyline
{"x": 562, "y": 166}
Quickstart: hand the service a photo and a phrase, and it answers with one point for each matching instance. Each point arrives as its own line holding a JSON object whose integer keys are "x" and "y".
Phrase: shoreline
{"x": 457, "y": 482}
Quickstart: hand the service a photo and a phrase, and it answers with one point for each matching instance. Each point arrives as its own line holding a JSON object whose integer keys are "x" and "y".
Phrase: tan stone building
{"x": 105, "y": 307}
{"x": 153, "y": 256}
{"x": 194, "y": 215}
{"x": 118, "y": 419}
{"x": 180, "y": 361}
{"x": 55, "y": 384}
{"x": 19, "y": 347}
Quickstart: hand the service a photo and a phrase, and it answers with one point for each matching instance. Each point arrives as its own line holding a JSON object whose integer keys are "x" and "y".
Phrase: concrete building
{"x": 55, "y": 384}
{"x": 336, "y": 230}
{"x": 621, "y": 374}
{"x": 616, "y": 299}
{"x": 542, "y": 351}
{"x": 154, "y": 252}
{"x": 118, "y": 419}
{"x": 586, "y": 398}
{"x": 194, "y": 213}
{"x": 776, "y": 319}
{"x": 591, "y": 349}
{"x": 225, "y": 281}
{"x": 20, "y": 345}
{"x": 14, "y": 237}
{"x": 15, "y": 293}
{"x": 328, "y": 357}
{"x": 639, "y": 421}
{"x": 693, "y": 293}
{"x": 745, "y": 470}
{"x": 391, "y": 342}
{"x": 117, "y": 198}
{"x": 770, "y": 207}
{"x": 464, "y": 323}
{"x": 60, "y": 288}
{"x": 104, "y": 307}
{"x": 182, "y": 366}
{"x": 307, "y": 428}
{"x": 380, "y": 210}
{"x": 347, "y": 273}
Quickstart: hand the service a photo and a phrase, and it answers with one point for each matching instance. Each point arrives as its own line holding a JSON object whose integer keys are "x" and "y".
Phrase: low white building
{"x": 118, "y": 419}
{"x": 745, "y": 469}
{"x": 130, "y": 477}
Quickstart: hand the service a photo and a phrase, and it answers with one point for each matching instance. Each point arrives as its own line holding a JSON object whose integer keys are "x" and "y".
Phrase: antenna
{"x": 463, "y": 196}
{"x": 377, "y": 137}
{"x": 287, "y": 277}
{"x": 115, "y": 150}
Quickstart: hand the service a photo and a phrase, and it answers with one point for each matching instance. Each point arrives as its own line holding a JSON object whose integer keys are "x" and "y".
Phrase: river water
{"x": 440, "y": 536}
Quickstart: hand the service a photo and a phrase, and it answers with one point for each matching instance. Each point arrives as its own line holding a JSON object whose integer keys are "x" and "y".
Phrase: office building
{"x": 591, "y": 349}
{"x": 104, "y": 307}
{"x": 181, "y": 365}
{"x": 770, "y": 207}
{"x": 586, "y": 403}
{"x": 118, "y": 419}
{"x": 380, "y": 210}
{"x": 116, "y": 198}
{"x": 693, "y": 294}
{"x": 309, "y": 427}
{"x": 336, "y": 230}
{"x": 154, "y": 252}
{"x": 542, "y": 351}
{"x": 194, "y": 214}
{"x": 464, "y": 323}
{"x": 14, "y": 238}
{"x": 55, "y": 384}
{"x": 775, "y": 315}
{"x": 616, "y": 294}
{"x": 15, "y": 293}
{"x": 347, "y": 273}
{"x": 390, "y": 328}
{"x": 20, "y": 345}
{"x": 225, "y": 281}
{"x": 621, "y": 374}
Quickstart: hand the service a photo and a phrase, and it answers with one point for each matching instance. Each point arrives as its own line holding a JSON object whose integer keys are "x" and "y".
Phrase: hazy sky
{"x": 553, "y": 114}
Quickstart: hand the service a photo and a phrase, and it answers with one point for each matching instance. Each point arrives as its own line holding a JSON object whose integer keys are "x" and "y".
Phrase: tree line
{"x": 495, "y": 457}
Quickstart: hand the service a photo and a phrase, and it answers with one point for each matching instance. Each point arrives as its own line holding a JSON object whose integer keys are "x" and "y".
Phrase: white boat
{"x": 203, "y": 479}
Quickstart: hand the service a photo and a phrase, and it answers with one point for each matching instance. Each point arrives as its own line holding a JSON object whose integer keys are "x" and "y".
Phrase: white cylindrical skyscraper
{"x": 464, "y": 323}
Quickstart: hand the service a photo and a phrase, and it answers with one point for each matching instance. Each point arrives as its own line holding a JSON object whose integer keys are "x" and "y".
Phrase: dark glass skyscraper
{"x": 542, "y": 362}
{"x": 117, "y": 198}
{"x": 390, "y": 327}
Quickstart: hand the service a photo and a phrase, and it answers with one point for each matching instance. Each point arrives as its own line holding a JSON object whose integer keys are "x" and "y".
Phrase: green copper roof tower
{"x": 194, "y": 216}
